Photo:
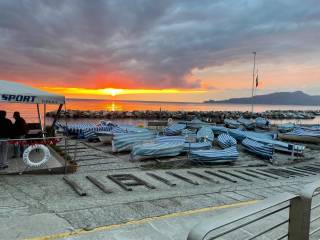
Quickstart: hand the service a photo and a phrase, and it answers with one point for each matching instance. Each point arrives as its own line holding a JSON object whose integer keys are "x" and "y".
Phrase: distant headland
{"x": 278, "y": 98}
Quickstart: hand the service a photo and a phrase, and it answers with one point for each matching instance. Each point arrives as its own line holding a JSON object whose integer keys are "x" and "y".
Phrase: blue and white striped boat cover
{"x": 197, "y": 146}
{"x": 303, "y": 132}
{"x": 315, "y": 128}
{"x": 279, "y": 145}
{"x": 240, "y": 134}
{"x": 258, "y": 148}
{"x": 174, "y": 129}
{"x": 226, "y": 141}
{"x": 232, "y": 123}
{"x": 205, "y": 134}
{"x": 262, "y": 122}
{"x": 286, "y": 127}
{"x": 159, "y": 139}
{"x": 156, "y": 150}
{"x": 246, "y": 122}
{"x": 196, "y": 123}
{"x": 124, "y": 142}
{"x": 187, "y": 132}
{"x": 219, "y": 129}
{"x": 214, "y": 156}
{"x": 84, "y": 130}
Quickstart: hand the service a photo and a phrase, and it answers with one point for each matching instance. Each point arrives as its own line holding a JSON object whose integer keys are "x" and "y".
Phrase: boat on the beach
{"x": 125, "y": 142}
{"x": 231, "y": 123}
{"x": 247, "y": 123}
{"x": 301, "y": 135}
{"x": 286, "y": 127}
{"x": 107, "y": 136}
{"x": 282, "y": 146}
{"x": 226, "y": 155}
{"x": 225, "y": 140}
{"x": 196, "y": 146}
{"x": 205, "y": 134}
{"x": 260, "y": 149}
{"x": 174, "y": 129}
{"x": 196, "y": 123}
{"x": 156, "y": 150}
{"x": 262, "y": 123}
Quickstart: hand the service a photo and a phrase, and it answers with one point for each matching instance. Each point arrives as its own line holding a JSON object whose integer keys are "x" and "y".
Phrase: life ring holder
{"x": 43, "y": 161}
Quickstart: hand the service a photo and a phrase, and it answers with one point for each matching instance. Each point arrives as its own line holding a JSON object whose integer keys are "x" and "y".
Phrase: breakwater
{"x": 208, "y": 116}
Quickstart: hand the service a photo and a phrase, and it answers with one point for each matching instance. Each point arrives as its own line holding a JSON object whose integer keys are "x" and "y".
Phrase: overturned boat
{"x": 188, "y": 147}
{"x": 231, "y": 123}
{"x": 286, "y": 127}
{"x": 125, "y": 142}
{"x": 205, "y": 134}
{"x": 262, "y": 123}
{"x": 215, "y": 156}
{"x": 174, "y": 129}
{"x": 247, "y": 123}
{"x": 260, "y": 149}
{"x": 157, "y": 150}
{"x": 107, "y": 136}
{"x": 282, "y": 146}
{"x": 225, "y": 141}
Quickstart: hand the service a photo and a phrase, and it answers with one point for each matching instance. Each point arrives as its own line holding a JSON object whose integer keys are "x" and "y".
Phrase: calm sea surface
{"x": 30, "y": 111}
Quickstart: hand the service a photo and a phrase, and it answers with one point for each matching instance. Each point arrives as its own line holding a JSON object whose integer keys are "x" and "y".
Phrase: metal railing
{"x": 283, "y": 216}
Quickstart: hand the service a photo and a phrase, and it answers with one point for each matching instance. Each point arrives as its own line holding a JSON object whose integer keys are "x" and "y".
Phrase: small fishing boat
{"x": 219, "y": 129}
{"x": 286, "y": 127}
{"x": 107, "y": 136}
{"x": 125, "y": 142}
{"x": 260, "y": 149}
{"x": 226, "y": 141}
{"x": 240, "y": 134}
{"x": 231, "y": 123}
{"x": 226, "y": 155}
{"x": 205, "y": 134}
{"x": 196, "y": 146}
{"x": 282, "y": 146}
{"x": 174, "y": 129}
{"x": 156, "y": 150}
{"x": 247, "y": 123}
{"x": 262, "y": 123}
{"x": 196, "y": 123}
{"x": 301, "y": 135}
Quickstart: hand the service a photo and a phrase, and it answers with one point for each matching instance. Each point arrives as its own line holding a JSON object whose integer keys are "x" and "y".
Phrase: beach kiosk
{"x": 12, "y": 92}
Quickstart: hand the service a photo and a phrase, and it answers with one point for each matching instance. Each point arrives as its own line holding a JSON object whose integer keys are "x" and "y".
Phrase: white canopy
{"x": 17, "y": 92}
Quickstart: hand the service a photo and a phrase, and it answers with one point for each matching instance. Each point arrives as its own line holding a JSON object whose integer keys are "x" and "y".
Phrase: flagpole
{"x": 253, "y": 73}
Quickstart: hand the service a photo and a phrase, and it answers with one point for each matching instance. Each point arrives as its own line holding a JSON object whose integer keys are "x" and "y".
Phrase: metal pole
{"x": 253, "y": 75}
{"x": 44, "y": 115}
{"x": 39, "y": 117}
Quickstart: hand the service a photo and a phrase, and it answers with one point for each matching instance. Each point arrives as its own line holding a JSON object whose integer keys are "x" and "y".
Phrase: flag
{"x": 257, "y": 81}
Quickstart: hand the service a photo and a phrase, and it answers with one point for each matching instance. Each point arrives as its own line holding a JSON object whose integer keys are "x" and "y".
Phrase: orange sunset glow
{"x": 175, "y": 51}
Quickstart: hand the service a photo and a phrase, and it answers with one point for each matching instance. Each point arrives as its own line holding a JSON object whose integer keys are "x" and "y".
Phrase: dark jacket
{"x": 5, "y": 128}
{"x": 19, "y": 127}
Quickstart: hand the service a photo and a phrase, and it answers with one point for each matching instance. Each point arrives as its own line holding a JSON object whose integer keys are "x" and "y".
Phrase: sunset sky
{"x": 163, "y": 50}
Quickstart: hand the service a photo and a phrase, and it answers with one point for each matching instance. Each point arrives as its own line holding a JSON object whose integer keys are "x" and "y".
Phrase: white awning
{"x": 13, "y": 92}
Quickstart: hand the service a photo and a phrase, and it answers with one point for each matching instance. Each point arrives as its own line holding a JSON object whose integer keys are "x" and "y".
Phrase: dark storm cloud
{"x": 156, "y": 42}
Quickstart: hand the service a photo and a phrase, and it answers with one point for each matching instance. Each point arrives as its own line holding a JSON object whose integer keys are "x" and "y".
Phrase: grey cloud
{"x": 157, "y": 42}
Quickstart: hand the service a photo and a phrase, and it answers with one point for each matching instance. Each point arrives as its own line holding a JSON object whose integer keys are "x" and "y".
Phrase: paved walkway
{"x": 36, "y": 206}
